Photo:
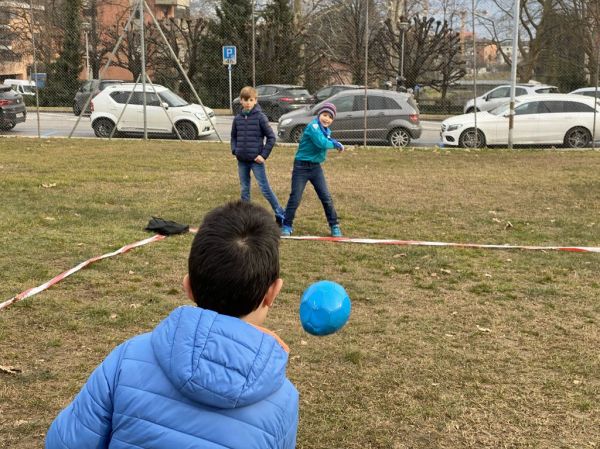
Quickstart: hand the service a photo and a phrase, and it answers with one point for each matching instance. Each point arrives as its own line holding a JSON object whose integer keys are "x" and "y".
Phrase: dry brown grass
{"x": 446, "y": 348}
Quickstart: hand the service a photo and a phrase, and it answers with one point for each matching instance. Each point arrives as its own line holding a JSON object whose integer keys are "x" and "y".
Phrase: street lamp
{"x": 403, "y": 25}
{"x": 86, "y": 27}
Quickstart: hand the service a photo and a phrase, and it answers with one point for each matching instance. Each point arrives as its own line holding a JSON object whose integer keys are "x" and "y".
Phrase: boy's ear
{"x": 187, "y": 287}
{"x": 272, "y": 292}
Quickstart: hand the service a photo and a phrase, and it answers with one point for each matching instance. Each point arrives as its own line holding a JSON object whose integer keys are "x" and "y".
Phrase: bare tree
{"x": 185, "y": 36}
{"x": 432, "y": 53}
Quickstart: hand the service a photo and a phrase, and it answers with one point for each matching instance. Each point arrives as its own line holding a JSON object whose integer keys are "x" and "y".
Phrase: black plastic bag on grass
{"x": 166, "y": 227}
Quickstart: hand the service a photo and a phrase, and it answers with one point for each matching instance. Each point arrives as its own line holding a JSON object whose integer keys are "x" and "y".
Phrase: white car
{"x": 191, "y": 120}
{"x": 501, "y": 94}
{"x": 587, "y": 91}
{"x": 556, "y": 119}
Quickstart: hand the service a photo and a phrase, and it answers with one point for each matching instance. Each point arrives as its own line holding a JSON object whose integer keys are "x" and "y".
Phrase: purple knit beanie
{"x": 327, "y": 107}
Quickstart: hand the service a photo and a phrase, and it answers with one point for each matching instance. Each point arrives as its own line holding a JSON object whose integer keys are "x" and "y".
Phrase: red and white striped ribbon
{"x": 157, "y": 237}
{"x": 60, "y": 277}
{"x": 575, "y": 249}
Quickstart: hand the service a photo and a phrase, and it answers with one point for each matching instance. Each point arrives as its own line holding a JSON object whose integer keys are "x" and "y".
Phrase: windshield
{"x": 30, "y": 89}
{"x": 298, "y": 92}
{"x": 172, "y": 99}
{"x": 503, "y": 109}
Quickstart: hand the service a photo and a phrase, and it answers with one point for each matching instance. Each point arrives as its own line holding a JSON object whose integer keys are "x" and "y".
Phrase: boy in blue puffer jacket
{"x": 207, "y": 376}
{"x": 248, "y": 132}
{"x": 316, "y": 141}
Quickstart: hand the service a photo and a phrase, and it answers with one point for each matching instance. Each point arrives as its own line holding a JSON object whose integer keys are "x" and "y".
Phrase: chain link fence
{"x": 437, "y": 54}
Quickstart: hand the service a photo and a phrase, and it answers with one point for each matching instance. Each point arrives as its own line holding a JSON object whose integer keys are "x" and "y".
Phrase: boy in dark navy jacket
{"x": 208, "y": 376}
{"x": 248, "y": 133}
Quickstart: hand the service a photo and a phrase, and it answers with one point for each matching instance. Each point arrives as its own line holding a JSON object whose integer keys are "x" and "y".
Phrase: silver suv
{"x": 501, "y": 94}
{"x": 392, "y": 117}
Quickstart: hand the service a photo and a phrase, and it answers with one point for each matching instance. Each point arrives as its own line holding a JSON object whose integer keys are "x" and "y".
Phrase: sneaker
{"x": 279, "y": 219}
{"x": 286, "y": 231}
{"x": 336, "y": 231}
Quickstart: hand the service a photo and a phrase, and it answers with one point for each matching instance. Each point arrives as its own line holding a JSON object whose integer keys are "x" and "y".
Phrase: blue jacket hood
{"x": 218, "y": 360}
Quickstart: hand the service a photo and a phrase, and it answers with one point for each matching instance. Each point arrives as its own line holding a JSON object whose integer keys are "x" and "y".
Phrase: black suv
{"x": 278, "y": 99}
{"x": 12, "y": 108}
{"x": 93, "y": 88}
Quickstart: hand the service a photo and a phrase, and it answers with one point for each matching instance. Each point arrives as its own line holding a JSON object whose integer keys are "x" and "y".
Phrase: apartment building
{"x": 16, "y": 51}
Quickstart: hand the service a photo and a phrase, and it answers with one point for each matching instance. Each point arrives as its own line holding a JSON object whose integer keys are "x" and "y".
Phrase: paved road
{"x": 60, "y": 124}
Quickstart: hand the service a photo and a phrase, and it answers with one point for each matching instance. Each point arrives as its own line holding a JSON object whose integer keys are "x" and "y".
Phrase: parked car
{"x": 24, "y": 87}
{"x": 587, "y": 91}
{"x": 551, "y": 119}
{"x": 12, "y": 108}
{"x": 190, "y": 119}
{"x": 93, "y": 88}
{"x": 501, "y": 95}
{"x": 392, "y": 117}
{"x": 328, "y": 91}
{"x": 278, "y": 99}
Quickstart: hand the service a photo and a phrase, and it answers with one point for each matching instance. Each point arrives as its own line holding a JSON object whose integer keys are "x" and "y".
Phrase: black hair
{"x": 234, "y": 258}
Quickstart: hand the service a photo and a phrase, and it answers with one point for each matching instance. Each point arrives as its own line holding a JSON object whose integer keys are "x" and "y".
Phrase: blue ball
{"x": 324, "y": 308}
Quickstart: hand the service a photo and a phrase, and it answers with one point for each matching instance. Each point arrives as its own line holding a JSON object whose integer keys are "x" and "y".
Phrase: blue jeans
{"x": 260, "y": 174}
{"x": 302, "y": 173}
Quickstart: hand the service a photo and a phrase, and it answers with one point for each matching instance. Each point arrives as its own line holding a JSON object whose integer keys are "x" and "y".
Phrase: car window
{"x": 326, "y": 92}
{"x": 172, "y": 99}
{"x": 268, "y": 90}
{"x": 501, "y": 92}
{"x": 297, "y": 92}
{"x": 344, "y": 103}
{"x": 520, "y": 91}
{"x": 119, "y": 96}
{"x": 533, "y": 107}
{"x": 377, "y": 102}
{"x": 152, "y": 99}
{"x": 575, "y": 106}
{"x": 588, "y": 93}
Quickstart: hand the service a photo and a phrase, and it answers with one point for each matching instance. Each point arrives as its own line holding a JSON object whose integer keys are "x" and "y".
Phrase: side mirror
{"x": 165, "y": 105}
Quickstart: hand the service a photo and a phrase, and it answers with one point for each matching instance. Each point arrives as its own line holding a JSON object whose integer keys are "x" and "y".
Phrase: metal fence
{"x": 443, "y": 53}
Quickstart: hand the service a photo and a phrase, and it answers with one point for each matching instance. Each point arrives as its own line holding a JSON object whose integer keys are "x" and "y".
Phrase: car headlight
{"x": 200, "y": 115}
{"x": 453, "y": 127}
{"x": 286, "y": 121}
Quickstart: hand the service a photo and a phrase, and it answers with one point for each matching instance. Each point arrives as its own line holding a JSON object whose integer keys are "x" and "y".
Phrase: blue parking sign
{"x": 229, "y": 54}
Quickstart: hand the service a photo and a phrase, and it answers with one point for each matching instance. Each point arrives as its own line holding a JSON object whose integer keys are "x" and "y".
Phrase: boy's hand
{"x": 338, "y": 146}
{"x": 259, "y": 159}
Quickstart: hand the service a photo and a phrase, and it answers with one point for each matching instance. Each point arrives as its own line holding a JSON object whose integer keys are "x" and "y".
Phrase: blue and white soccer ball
{"x": 324, "y": 308}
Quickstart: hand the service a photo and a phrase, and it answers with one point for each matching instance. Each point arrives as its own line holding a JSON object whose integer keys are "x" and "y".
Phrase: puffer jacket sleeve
{"x": 87, "y": 422}
{"x": 318, "y": 138}
{"x": 270, "y": 135}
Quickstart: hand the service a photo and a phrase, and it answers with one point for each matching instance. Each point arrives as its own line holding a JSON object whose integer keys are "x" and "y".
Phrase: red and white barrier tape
{"x": 575, "y": 249}
{"x": 157, "y": 237}
{"x": 60, "y": 277}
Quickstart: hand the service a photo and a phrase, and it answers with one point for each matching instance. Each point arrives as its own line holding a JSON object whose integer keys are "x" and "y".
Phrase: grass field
{"x": 446, "y": 348}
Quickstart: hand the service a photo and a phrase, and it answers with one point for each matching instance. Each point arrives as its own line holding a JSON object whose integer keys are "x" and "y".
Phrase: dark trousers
{"x": 302, "y": 173}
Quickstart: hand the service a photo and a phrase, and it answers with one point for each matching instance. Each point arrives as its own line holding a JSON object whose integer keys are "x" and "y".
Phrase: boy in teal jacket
{"x": 312, "y": 151}
{"x": 208, "y": 376}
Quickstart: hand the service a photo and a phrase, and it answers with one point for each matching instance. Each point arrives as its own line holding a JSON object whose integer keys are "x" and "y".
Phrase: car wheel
{"x": 7, "y": 126}
{"x": 399, "y": 137}
{"x": 468, "y": 139}
{"x": 577, "y": 138}
{"x": 296, "y": 134}
{"x": 103, "y": 127}
{"x": 76, "y": 109}
{"x": 187, "y": 130}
